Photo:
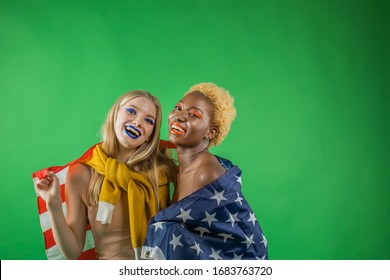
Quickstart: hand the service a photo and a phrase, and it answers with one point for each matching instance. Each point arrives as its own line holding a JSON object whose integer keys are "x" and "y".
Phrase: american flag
{"x": 53, "y": 252}
{"x": 213, "y": 223}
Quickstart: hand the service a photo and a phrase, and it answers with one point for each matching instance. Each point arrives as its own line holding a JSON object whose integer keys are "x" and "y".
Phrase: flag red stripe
{"x": 48, "y": 234}
{"x": 49, "y": 242}
{"x": 167, "y": 144}
{"x": 49, "y": 239}
{"x": 40, "y": 174}
{"x": 42, "y": 204}
{"x": 88, "y": 255}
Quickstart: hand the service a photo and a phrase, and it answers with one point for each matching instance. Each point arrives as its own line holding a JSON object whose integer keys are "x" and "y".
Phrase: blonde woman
{"x": 209, "y": 219}
{"x": 116, "y": 187}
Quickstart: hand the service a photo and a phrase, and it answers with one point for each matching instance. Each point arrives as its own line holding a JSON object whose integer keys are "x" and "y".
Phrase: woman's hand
{"x": 49, "y": 189}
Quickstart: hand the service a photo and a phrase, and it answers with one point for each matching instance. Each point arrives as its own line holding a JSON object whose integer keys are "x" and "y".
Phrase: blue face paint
{"x": 132, "y": 132}
{"x": 149, "y": 121}
{"x": 134, "y": 112}
{"x": 131, "y": 111}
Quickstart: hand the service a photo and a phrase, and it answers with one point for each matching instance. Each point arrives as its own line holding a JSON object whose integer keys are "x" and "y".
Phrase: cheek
{"x": 149, "y": 131}
{"x": 199, "y": 127}
{"x": 117, "y": 123}
{"x": 172, "y": 113}
{"x": 117, "y": 130}
{"x": 118, "y": 120}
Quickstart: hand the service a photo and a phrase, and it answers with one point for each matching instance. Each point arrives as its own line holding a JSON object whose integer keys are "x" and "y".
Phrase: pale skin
{"x": 69, "y": 232}
{"x": 191, "y": 130}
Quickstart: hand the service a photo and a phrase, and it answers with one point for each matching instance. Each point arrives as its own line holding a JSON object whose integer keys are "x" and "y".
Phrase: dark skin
{"x": 191, "y": 129}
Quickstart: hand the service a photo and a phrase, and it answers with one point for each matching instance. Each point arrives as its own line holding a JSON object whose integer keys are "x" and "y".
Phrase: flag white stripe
{"x": 45, "y": 218}
{"x": 62, "y": 175}
{"x": 34, "y": 180}
{"x": 89, "y": 241}
{"x": 54, "y": 253}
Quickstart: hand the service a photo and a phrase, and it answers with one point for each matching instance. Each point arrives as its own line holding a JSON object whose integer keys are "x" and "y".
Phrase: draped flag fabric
{"x": 215, "y": 222}
{"x": 53, "y": 252}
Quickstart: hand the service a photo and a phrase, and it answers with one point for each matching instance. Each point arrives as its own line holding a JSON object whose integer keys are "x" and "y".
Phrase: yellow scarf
{"x": 141, "y": 195}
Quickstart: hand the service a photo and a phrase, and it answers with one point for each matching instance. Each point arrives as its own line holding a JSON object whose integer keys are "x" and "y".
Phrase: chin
{"x": 174, "y": 139}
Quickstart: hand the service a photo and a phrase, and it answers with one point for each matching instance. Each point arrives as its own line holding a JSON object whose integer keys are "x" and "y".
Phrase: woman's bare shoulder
{"x": 78, "y": 176}
{"x": 209, "y": 171}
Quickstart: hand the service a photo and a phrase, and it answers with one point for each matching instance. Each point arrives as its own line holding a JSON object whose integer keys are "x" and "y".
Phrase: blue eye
{"x": 131, "y": 111}
{"x": 149, "y": 121}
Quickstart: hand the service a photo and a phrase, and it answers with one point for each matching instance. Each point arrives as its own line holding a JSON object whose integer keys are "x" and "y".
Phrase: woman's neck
{"x": 124, "y": 154}
{"x": 188, "y": 156}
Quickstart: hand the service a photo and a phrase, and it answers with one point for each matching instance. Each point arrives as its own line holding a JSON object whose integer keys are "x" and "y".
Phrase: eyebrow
{"x": 192, "y": 107}
{"x": 137, "y": 108}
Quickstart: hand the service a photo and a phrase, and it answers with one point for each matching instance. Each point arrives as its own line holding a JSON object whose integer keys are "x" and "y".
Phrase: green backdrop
{"x": 310, "y": 82}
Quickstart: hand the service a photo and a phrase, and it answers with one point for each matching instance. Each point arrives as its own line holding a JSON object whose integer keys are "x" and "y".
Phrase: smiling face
{"x": 134, "y": 124}
{"x": 190, "y": 121}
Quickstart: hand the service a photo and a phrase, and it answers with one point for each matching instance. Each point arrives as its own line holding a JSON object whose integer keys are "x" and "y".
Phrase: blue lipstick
{"x": 132, "y": 132}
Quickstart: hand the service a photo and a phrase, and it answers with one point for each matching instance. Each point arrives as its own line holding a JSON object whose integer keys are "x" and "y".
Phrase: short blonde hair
{"x": 224, "y": 111}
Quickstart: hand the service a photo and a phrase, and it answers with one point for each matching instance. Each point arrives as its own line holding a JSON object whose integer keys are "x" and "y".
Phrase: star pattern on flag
{"x": 210, "y": 218}
{"x": 226, "y": 236}
{"x": 264, "y": 241}
{"x": 248, "y": 241}
{"x": 239, "y": 199}
{"x": 158, "y": 225}
{"x": 252, "y": 218}
{"x": 214, "y": 223}
{"x": 215, "y": 254}
{"x": 218, "y": 196}
{"x": 202, "y": 230}
{"x": 197, "y": 248}
{"x": 185, "y": 215}
{"x": 239, "y": 180}
{"x": 233, "y": 218}
{"x": 175, "y": 241}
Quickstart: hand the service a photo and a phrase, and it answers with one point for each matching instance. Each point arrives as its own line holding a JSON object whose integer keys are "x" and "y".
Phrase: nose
{"x": 180, "y": 115}
{"x": 137, "y": 121}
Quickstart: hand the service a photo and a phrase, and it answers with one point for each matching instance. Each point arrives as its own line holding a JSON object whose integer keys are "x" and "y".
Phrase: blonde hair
{"x": 148, "y": 158}
{"x": 224, "y": 111}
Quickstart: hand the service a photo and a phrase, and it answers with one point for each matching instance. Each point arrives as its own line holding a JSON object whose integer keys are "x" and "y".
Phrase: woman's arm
{"x": 69, "y": 233}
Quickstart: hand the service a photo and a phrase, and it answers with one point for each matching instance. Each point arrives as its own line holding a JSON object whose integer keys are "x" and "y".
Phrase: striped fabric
{"x": 53, "y": 252}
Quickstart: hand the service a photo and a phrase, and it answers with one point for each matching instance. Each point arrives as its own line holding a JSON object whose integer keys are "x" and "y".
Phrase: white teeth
{"x": 177, "y": 128}
{"x": 131, "y": 130}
